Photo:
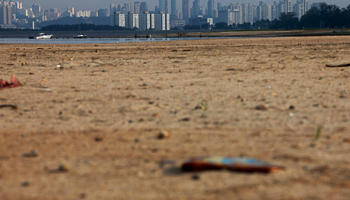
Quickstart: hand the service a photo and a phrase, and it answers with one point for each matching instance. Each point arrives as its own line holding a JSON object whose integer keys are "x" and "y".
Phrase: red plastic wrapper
{"x": 14, "y": 83}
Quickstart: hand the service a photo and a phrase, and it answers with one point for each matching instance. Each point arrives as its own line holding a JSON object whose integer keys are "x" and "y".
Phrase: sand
{"x": 88, "y": 129}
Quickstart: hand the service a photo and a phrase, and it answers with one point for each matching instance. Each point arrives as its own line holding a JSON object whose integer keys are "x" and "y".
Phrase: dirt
{"x": 89, "y": 117}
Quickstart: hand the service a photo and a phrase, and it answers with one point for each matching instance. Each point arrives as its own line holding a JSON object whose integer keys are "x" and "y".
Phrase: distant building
{"x": 195, "y": 8}
{"x": 210, "y": 8}
{"x": 173, "y": 8}
{"x": 146, "y": 21}
{"x": 132, "y": 20}
{"x": 162, "y": 21}
{"x": 118, "y": 19}
{"x": 137, "y": 7}
{"x": 199, "y": 21}
{"x": 5, "y": 15}
{"x": 186, "y": 12}
{"x": 143, "y": 7}
{"x": 101, "y": 12}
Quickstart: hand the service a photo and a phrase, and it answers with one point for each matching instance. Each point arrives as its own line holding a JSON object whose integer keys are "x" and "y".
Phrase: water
{"x": 94, "y": 40}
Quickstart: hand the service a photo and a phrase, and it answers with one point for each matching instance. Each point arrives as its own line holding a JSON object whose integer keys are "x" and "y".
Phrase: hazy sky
{"x": 94, "y": 4}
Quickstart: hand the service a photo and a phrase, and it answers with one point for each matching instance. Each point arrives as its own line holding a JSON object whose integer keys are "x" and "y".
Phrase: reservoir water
{"x": 95, "y": 40}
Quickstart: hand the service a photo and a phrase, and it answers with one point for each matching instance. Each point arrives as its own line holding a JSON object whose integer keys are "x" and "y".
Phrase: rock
{"x": 346, "y": 140}
{"x": 31, "y": 154}
{"x": 25, "y": 184}
{"x": 62, "y": 168}
{"x": 98, "y": 139}
{"x": 156, "y": 115}
{"x": 186, "y": 119}
{"x": 163, "y": 134}
{"x": 291, "y": 107}
{"x": 243, "y": 99}
{"x": 195, "y": 177}
{"x": 261, "y": 107}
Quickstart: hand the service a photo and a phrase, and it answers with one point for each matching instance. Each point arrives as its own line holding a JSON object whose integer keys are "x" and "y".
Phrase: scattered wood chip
{"x": 14, "y": 107}
{"x": 341, "y": 65}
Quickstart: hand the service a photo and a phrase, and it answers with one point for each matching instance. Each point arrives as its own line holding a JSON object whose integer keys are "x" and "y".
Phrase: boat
{"x": 80, "y": 36}
{"x": 42, "y": 36}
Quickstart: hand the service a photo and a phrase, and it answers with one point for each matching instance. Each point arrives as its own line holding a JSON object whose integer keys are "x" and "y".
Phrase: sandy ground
{"x": 88, "y": 130}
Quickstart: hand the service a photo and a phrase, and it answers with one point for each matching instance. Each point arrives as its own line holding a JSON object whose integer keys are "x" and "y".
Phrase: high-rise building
{"x": 162, "y": 21}
{"x": 146, "y": 21}
{"x": 301, "y": 7}
{"x": 5, "y": 14}
{"x": 210, "y": 8}
{"x": 173, "y": 8}
{"x": 186, "y": 13}
{"x": 118, "y": 19}
{"x": 137, "y": 7}
{"x": 164, "y": 6}
{"x": 195, "y": 8}
{"x": 132, "y": 20}
{"x": 143, "y": 7}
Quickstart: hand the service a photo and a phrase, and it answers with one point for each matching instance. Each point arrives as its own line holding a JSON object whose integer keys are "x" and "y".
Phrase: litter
{"x": 14, "y": 107}
{"x": 240, "y": 164}
{"x": 341, "y": 65}
{"x": 14, "y": 83}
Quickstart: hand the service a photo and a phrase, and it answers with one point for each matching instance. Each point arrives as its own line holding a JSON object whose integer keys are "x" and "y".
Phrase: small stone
{"x": 137, "y": 140}
{"x": 291, "y": 107}
{"x": 163, "y": 134}
{"x": 156, "y": 115}
{"x": 97, "y": 50}
{"x": 31, "y": 154}
{"x": 98, "y": 139}
{"x": 243, "y": 99}
{"x": 346, "y": 140}
{"x": 25, "y": 184}
{"x": 261, "y": 107}
{"x": 195, "y": 177}
{"x": 23, "y": 63}
{"x": 62, "y": 168}
{"x": 186, "y": 119}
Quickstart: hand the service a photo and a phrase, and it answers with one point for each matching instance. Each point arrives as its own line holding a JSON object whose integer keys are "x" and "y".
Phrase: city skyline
{"x": 94, "y": 5}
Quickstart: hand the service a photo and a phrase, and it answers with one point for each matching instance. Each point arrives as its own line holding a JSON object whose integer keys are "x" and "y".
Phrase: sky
{"x": 95, "y": 4}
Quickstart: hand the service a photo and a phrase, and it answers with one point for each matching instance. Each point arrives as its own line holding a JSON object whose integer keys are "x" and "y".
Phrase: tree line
{"x": 324, "y": 16}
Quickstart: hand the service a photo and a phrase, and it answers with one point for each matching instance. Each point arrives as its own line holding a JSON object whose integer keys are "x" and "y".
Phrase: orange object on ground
{"x": 14, "y": 83}
{"x": 240, "y": 164}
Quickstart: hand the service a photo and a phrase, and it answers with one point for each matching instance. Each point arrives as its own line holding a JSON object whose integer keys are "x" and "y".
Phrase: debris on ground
{"x": 202, "y": 105}
{"x": 261, "y": 107}
{"x": 240, "y": 164}
{"x": 163, "y": 134}
{"x": 14, "y": 107}
{"x": 341, "y": 65}
{"x": 14, "y": 83}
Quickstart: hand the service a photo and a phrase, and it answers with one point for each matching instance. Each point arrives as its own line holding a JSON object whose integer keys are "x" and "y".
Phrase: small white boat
{"x": 43, "y": 36}
{"x": 80, "y": 36}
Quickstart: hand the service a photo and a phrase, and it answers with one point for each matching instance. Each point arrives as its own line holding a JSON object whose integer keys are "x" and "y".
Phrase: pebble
{"x": 243, "y": 99}
{"x": 196, "y": 177}
{"x": 291, "y": 107}
{"x": 261, "y": 107}
{"x": 31, "y": 154}
{"x": 156, "y": 115}
{"x": 25, "y": 184}
{"x": 346, "y": 140}
{"x": 98, "y": 139}
{"x": 163, "y": 134}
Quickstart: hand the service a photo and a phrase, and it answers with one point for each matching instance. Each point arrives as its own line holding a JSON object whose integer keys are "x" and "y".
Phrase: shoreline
{"x": 88, "y": 118}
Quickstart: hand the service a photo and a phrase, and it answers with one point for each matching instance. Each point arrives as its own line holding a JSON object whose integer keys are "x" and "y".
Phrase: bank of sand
{"x": 93, "y": 123}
